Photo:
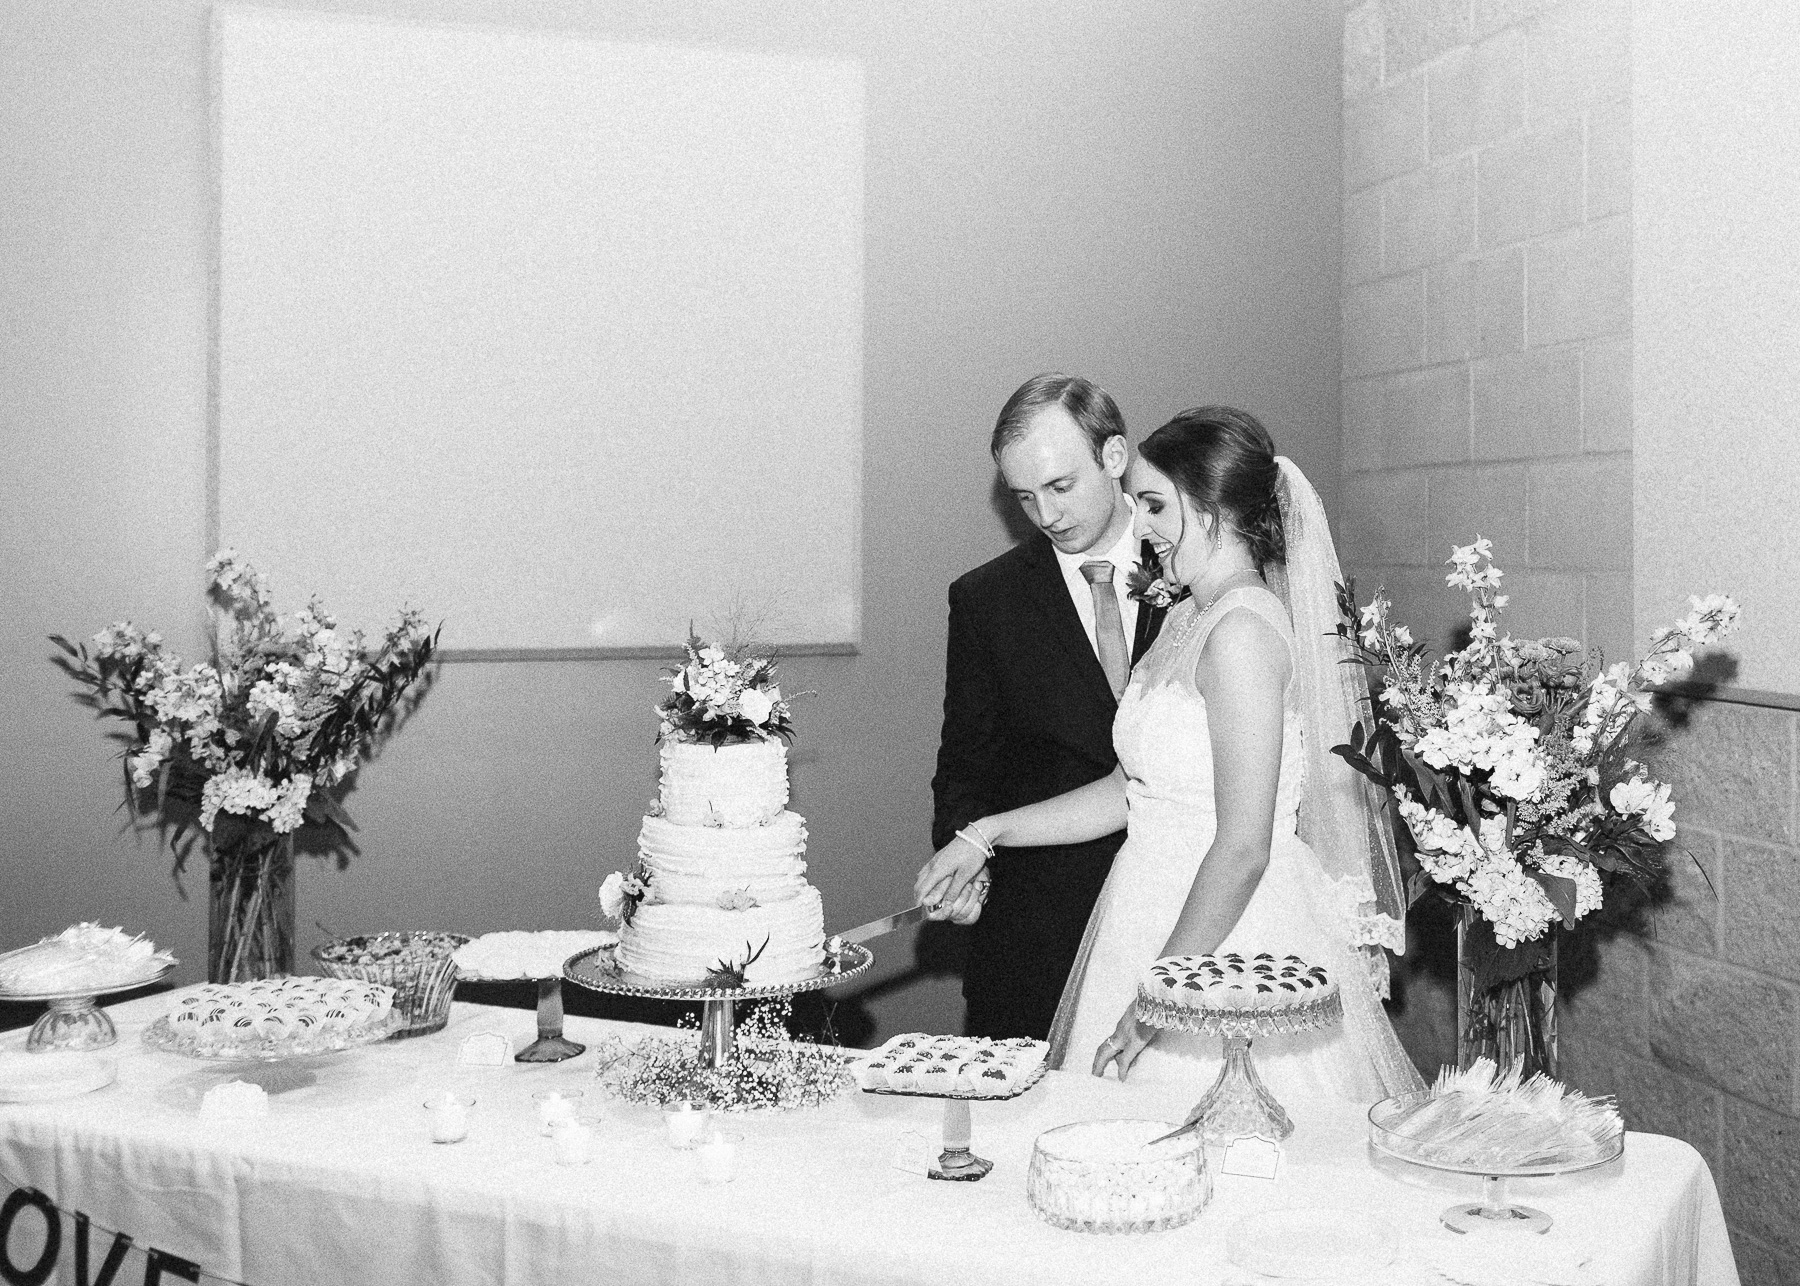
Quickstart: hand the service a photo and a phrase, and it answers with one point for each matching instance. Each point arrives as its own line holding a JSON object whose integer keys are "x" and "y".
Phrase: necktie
{"x": 1109, "y": 626}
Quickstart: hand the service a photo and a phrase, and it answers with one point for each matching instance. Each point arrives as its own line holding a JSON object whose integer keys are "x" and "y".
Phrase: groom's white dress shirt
{"x": 1124, "y": 557}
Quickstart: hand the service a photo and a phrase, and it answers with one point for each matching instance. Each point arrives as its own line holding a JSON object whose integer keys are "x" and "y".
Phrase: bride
{"x": 1243, "y": 832}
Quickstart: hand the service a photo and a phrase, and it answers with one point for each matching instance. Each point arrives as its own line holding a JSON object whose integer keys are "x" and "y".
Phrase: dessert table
{"x": 341, "y": 1183}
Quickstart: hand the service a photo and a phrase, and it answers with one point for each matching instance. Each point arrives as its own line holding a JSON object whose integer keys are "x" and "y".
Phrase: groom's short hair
{"x": 1089, "y": 405}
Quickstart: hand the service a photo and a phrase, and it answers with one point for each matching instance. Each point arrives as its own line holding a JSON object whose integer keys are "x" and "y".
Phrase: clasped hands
{"x": 953, "y": 885}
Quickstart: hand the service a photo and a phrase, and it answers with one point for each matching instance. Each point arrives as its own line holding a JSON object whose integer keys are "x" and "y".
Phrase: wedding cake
{"x": 719, "y": 896}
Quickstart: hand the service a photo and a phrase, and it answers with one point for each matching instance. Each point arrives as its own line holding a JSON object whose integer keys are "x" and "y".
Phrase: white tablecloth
{"x": 341, "y": 1183}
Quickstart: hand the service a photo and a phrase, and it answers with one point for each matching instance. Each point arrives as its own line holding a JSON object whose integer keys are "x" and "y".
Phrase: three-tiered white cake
{"x": 721, "y": 864}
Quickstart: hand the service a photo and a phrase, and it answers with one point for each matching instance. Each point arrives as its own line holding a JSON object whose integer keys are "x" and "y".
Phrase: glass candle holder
{"x": 717, "y": 1154}
{"x": 572, "y": 1140}
{"x": 684, "y": 1123}
{"x": 554, "y": 1106}
{"x": 448, "y": 1116}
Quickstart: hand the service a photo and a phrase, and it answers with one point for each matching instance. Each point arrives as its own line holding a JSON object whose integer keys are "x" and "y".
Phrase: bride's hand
{"x": 944, "y": 878}
{"x": 1129, "y": 1039}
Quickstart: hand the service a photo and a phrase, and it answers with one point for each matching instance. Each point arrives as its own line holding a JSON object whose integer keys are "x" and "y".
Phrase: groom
{"x": 1041, "y": 641}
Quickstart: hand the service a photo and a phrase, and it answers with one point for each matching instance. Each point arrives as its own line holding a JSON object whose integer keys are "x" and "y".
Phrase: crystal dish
{"x": 419, "y": 966}
{"x": 1106, "y": 1176}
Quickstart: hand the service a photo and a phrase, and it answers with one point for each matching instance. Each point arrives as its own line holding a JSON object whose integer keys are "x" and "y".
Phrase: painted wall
{"x": 1145, "y": 193}
{"x": 1716, "y": 326}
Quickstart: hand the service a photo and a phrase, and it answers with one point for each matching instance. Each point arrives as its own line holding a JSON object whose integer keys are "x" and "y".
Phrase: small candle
{"x": 718, "y": 1156}
{"x": 685, "y": 1123}
{"x": 572, "y": 1140}
{"x": 554, "y": 1106}
{"x": 449, "y": 1116}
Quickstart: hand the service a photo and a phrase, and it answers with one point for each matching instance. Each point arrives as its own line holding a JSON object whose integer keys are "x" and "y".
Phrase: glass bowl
{"x": 418, "y": 965}
{"x": 1098, "y": 1176}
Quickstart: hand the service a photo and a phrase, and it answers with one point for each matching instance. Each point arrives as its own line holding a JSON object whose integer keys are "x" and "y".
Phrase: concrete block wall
{"x": 1487, "y": 307}
{"x": 1693, "y": 1021}
{"x": 1487, "y": 374}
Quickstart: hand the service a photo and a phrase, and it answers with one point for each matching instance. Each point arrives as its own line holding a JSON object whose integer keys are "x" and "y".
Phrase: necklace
{"x": 1188, "y": 626}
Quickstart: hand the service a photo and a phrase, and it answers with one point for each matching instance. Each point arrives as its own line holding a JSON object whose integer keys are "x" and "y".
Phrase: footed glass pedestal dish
{"x": 958, "y": 1162}
{"x": 1495, "y": 1209}
{"x": 1238, "y": 1104}
{"x": 75, "y": 1020}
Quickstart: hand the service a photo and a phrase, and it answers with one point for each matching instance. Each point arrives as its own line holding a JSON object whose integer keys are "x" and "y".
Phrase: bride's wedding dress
{"x": 1164, "y": 746}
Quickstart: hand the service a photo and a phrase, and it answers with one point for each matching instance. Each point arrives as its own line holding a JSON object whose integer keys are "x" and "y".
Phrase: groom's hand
{"x": 944, "y": 878}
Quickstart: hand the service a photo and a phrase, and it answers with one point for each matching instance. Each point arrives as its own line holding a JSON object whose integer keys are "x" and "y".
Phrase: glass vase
{"x": 1505, "y": 998}
{"x": 250, "y": 911}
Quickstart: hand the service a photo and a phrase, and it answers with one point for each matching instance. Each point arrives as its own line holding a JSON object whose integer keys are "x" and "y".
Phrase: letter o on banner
{"x": 38, "y": 1273}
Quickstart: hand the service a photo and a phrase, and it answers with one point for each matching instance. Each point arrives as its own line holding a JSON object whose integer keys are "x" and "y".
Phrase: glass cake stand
{"x": 598, "y": 969}
{"x": 1494, "y": 1210}
{"x": 1238, "y": 1104}
{"x": 551, "y": 1046}
{"x": 956, "y": 1162}
{"x": 75, "y": 1019}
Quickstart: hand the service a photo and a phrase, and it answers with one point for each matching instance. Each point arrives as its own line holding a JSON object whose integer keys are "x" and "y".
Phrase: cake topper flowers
{"x": 724, "y": 695}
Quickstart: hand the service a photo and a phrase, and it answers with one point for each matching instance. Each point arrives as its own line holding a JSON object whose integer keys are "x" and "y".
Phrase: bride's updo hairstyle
{"x": 1223, "y": 460}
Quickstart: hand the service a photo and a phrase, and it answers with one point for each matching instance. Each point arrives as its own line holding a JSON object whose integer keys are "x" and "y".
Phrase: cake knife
{"x": 875, "y": 928}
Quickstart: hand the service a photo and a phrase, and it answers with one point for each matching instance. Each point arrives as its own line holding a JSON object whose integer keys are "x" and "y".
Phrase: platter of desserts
{"x": 274, "y": 1018}
{"x": 920, "y": 1065}
{"x": 82, "y": 960}
{"x": 1230, "y": 993}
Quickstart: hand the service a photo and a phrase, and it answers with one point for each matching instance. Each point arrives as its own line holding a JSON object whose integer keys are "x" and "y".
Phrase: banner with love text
{"x": 41, "y": 1242}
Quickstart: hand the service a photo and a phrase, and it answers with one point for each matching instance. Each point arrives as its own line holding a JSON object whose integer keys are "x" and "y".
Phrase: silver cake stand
{"x": 1238, "y": 1104}
{"x": 598, "y": 969}
{"x": 75, "y": 1019}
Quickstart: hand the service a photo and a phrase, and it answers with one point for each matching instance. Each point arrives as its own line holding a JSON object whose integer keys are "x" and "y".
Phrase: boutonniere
{"x": 1146, "y": 585}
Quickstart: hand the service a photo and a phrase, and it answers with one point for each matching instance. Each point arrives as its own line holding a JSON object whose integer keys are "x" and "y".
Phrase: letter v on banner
{"x": 109, "y": 1267}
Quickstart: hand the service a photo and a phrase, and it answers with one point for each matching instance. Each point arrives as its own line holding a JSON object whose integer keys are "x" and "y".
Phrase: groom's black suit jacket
{"x": 1028, "y": 714}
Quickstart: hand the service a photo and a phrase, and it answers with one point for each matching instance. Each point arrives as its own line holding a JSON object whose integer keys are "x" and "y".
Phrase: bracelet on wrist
{"x": 973, "y": 835}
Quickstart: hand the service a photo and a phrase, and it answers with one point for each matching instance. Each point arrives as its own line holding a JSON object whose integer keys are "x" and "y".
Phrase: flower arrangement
{"x": 253, "y": 745}
{"x": 1509, "y": 759}
{"x": 722, "y": 695}
{"x": 769, "y": 1067}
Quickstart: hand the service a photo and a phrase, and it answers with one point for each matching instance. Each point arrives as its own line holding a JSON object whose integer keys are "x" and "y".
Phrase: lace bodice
{"x": 1161, "y": 734}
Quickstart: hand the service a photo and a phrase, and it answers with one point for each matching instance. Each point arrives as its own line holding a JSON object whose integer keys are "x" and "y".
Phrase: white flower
{"x": 289, "y": 810}
{"x": 1640, "y": 797}
{"x": 612, "y": 896}
{"x": 144, "y": 765}
{"x": 1403, "y": 636}
{"x": 712, "y": 654}
{"x": 755, "y": 705}
{"x": 235, "y": 791}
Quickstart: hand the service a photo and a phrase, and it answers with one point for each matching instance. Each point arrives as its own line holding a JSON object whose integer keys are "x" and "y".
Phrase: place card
{"x": 914, "y": 1153}
{"x": 1252, "y": 1156}
{"x": 484, "y": 1049}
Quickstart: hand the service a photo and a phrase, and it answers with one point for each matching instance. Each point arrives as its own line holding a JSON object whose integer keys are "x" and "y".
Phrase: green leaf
{"x": 1561, "y": 892}
{"x": 330, "y": 807}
